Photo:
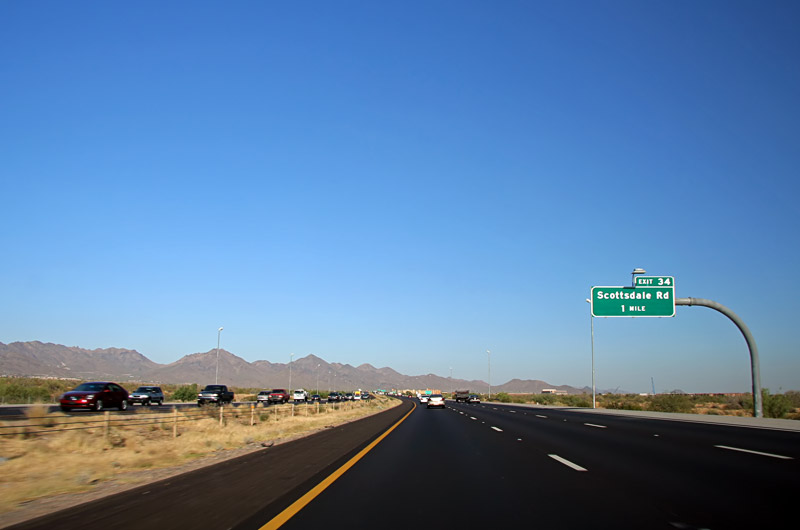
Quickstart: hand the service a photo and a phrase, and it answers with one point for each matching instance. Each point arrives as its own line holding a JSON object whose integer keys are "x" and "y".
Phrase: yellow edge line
{"x": 301, "y": 503}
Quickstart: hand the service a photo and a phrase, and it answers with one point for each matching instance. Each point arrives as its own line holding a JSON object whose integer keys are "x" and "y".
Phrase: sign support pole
{"x": 755, "y": 370}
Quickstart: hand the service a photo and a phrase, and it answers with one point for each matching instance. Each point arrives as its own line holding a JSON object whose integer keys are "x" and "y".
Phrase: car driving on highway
{"x": 435, "y": 400}
{"x": 423, "y": 398}
{"x": 473, "y": 398}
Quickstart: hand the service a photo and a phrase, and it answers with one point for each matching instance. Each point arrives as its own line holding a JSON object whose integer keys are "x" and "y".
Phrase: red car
{"x": 98, "y": 395}
{"x": 278, "y": 395}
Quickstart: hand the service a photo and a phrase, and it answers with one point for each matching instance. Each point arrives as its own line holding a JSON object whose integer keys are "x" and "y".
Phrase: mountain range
{"x": 38, "y": 359}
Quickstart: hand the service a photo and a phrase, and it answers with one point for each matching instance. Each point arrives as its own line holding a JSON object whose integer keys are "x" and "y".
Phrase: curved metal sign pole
{"x": 758, "y": 410}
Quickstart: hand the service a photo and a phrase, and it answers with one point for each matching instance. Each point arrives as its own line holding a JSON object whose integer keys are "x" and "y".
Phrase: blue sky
{"x": 405, "y": 184}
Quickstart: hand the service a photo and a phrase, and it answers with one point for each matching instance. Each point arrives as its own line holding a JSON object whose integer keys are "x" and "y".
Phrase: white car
{"x": 436, "y": 400}
{"x": 300, "y": 395}
{"x": 423, "y": 398}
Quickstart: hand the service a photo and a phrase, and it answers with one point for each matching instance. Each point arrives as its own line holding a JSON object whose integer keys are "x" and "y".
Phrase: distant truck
{"x": 218, "y": 394}
{"x": 461, "y": 396}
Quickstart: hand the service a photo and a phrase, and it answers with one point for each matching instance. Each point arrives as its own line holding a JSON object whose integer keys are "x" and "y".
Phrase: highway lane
{"x": 491, "y": 466}
{"x": 226, "y": 494}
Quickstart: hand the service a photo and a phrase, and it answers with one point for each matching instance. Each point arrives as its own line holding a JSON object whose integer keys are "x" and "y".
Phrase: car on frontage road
{"x": 97, "y": 395}
{"x": 278, "y": 395}
{"x": 263, "y": 397}
{"x": 147, "y": 395}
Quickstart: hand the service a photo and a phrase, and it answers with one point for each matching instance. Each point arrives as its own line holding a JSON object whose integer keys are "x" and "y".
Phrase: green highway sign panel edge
{"x": 655, "y": 281}
{"x": 633, "y": 301}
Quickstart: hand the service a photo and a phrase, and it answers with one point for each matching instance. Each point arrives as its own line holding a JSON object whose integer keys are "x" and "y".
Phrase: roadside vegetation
{"x": 785, "y": 405}
{"x": 88, "y": 454}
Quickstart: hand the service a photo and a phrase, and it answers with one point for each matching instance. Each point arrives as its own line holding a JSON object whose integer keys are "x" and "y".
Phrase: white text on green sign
{"x": 655, "y": 281}
{"x": 633, "y": 302}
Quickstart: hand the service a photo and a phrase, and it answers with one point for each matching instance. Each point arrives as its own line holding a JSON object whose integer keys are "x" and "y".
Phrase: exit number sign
{"x": 652, "y": 296}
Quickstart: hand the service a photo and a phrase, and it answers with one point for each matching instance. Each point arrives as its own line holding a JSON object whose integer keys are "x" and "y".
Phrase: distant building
{"x": 554, "y": 391}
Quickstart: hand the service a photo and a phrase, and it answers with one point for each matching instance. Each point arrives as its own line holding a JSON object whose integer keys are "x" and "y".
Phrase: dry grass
{"x": 39, "y": 465}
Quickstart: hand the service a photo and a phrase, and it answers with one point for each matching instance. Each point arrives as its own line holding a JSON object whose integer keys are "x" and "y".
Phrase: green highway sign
{"x": 655, "y": 281}
{"x": 653, "y": 296}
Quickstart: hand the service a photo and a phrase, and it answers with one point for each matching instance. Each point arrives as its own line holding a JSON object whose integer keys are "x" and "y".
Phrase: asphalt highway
{"x": 489, "y": 466}
{"x": 480, "y": 466}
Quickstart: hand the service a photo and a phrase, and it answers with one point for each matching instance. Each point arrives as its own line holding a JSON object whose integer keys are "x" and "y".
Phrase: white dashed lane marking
{"x": 567, "y": 463}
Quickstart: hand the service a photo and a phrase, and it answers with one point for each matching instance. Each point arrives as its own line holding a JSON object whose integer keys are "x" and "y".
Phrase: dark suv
{"x": 147, "y": 395}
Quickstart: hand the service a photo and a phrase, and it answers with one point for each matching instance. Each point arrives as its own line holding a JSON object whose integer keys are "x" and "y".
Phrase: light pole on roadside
{"x": 318, "y": 365}
{"x": 591, "y": 320}
{"x": 291, "y": 358}
{"x": 489, "y": 356}
{"x": 216, "y": 375}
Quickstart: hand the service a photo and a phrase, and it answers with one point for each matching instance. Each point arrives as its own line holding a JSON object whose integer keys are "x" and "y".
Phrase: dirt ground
{"x": 127, "y": 481}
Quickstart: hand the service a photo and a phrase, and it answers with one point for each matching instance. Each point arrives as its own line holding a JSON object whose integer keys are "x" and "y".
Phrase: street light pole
{"x": 591, "y": 320}
{"x": 489, "y": 356}
{"x": 318, "y": 365}
{"x": 216, "y": 375}
{"x": 291, "y": 358}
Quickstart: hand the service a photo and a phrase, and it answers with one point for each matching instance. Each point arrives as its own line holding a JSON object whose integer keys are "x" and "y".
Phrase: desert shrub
{"x": 775, "y": 406}
{"x": 794, "y": 398}
{"x": 622, "y": 405}
{"x": 17, "y": 390}
{"x": 578, "y": 401}
{"x": 545, "y": 399}
{"x": 671, "y": 403}
{"x": 502, "y": 397}
{"x": 186, "y": 393}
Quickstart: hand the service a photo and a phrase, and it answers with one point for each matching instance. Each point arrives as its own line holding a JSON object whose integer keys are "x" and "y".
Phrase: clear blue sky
{"x": 405, "y": 184}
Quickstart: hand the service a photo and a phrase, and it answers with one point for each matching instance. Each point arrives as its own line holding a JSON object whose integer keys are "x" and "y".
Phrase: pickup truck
{"x": 278, "y": 395}
{"x": 461, "y": 396}
{"x": 218, "y": 394}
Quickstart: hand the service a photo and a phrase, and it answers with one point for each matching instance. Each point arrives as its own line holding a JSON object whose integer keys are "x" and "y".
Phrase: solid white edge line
{"x": 567, "y": 463}
{"x": 594, "y": 425}
{"x": 754, "y": 452}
